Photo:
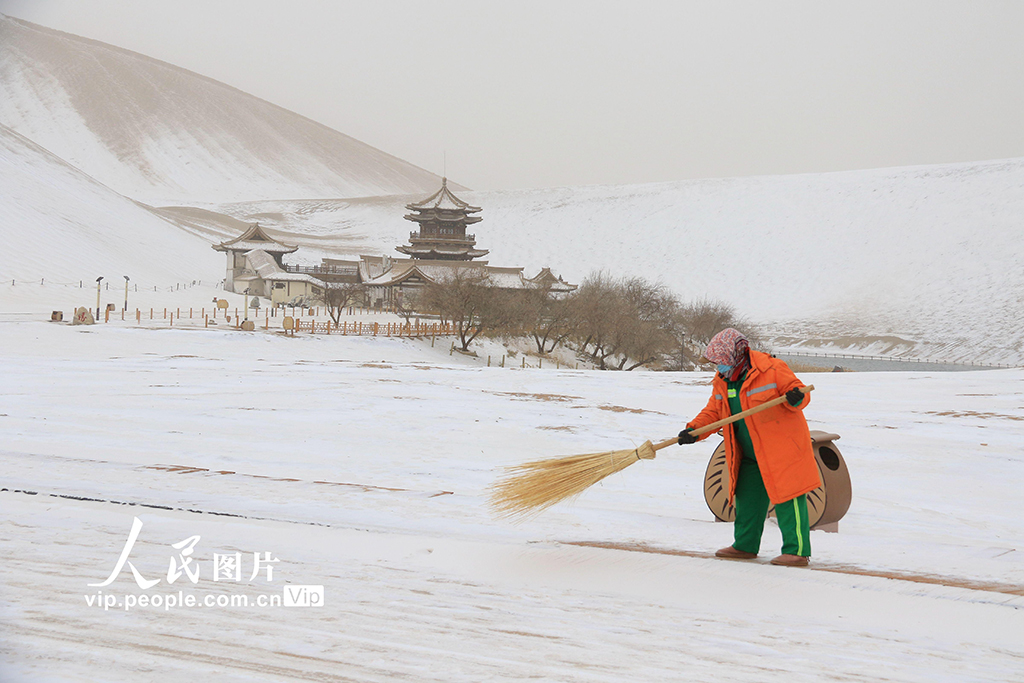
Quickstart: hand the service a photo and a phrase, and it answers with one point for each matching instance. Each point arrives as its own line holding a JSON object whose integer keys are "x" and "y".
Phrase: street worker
{"x": 769, "y": 456}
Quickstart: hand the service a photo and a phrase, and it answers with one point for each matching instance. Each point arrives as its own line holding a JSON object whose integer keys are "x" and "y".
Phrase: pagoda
{"x": 442, "y": 218}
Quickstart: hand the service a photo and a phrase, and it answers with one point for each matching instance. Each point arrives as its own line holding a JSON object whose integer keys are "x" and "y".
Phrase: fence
{"x": 895, "y": 359}
{"x": 417, "y": 329}
{"x": 298, "y": 325}
{"x": 105, "y": 285}
{"x": 375, "y": 329}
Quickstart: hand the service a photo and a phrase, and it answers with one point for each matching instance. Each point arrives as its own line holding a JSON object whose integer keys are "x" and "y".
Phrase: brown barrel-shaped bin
{"x": 826, "y": 504}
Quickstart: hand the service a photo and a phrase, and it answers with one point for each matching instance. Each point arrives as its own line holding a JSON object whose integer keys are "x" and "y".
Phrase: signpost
{"x": 98, "y": 296}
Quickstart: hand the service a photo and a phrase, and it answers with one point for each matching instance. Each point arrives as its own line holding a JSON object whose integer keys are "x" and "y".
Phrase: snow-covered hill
{"x": 58, "y": 224}
{"x": 162, "y": 134}
{"x": 924, "y": 261}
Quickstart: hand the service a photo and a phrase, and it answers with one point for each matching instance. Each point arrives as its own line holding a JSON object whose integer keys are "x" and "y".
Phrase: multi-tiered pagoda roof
{"x": 442, "y": 219}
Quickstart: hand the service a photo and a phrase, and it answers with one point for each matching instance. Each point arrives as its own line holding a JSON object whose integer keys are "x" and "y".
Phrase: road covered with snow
{"x": 361, "y": 465}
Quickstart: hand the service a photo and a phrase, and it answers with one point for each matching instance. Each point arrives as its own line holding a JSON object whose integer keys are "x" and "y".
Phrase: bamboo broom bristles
{"x": 535, "y": 486}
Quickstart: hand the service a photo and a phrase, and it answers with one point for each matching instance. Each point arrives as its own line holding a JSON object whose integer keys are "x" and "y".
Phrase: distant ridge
{"x": 162, "y": 134}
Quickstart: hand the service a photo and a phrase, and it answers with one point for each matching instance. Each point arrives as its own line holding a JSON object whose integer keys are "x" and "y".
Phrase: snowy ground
{"x": 362, "y": 466}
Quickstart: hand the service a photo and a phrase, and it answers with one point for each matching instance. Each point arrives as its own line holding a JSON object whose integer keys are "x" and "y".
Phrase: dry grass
{"x": 621, "y": 409}
{"x": 973, "y": 413}
{"x": 558, "y": 398}
{"x": 696, "y": 383}
{"x": 532, "y": 487}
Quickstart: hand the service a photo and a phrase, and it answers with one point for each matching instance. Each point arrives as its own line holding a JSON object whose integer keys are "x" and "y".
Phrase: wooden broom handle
{"x": 715, "y": 426}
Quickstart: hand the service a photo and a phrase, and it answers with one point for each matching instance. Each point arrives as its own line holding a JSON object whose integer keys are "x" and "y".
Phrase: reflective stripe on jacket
{"x": 781, "y": 439}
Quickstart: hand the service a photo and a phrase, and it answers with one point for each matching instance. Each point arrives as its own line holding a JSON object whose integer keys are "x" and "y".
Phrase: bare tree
{"x": 597, "y": 309}
{"x": 624, "y": 324}
{"x": 550, "y": 320}
{"x": 645, "y": 335}
{"x": 337, "y": 296}
{"x": 407, "y": 304}
{"x": 699, "y": 321}
{"x": 467, "y": 298}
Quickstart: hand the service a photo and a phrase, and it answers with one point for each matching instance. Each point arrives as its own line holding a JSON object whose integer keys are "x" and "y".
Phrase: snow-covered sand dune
{"x": 156, "y": 132}
{"x": 60, "y": 225}
{"x": 362, "y": 465}
{"x": 921, "y": 260}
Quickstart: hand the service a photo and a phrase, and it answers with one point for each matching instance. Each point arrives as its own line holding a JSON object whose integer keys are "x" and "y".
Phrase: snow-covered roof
{"x": 294, "y": 277}
{"x": 384, "y": 271}
{"x": 545, "y": 278}
{"x": 262, "y": 262}
{"x": 437, "y": 249}
{"x": 443, "y": 199}
{"x": 383, "y": 278}
{"x": 506, "y": 280}
{"x": 255, "y": 238}
{"x": 265, "y": 267}
{"x": 441, "y": 216}
{"x": 371, "y": 267}
{"x": 437, "y": 270}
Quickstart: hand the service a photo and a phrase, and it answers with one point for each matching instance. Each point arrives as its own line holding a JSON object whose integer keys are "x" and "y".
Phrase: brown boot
{"x": 791, "y": 561}
{"x": 731, "y": 553}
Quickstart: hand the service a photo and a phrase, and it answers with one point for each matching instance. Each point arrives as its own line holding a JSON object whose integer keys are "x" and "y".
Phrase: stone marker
{"x": 83, "y": 316}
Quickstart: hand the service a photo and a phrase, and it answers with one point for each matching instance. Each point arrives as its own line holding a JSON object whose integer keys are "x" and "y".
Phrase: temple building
{"x": 397, "y": 281}
{"x": 442, "y": 218}
{"x": 256, "y": 265}
{"x": 439, "y": 248}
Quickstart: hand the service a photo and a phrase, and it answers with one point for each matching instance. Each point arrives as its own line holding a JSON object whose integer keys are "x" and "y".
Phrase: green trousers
{"x": 752, "y": 507}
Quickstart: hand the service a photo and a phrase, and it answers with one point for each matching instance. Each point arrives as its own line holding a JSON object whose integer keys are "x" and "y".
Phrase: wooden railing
{"x": 323, "y": 270}
{"x": 895, "y": 359}
{"x": 416, "y": 236}
{"x": 374, "y": 329}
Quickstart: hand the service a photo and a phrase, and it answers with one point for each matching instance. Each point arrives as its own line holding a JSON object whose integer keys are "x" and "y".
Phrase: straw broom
{"x": 535, "y": 486}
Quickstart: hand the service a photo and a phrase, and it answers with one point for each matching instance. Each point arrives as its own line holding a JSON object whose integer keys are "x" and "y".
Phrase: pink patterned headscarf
{"x": 729, "y": 347}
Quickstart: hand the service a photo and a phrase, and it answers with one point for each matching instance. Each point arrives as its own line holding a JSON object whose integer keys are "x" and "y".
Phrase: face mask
{"x": 724, "y": 370}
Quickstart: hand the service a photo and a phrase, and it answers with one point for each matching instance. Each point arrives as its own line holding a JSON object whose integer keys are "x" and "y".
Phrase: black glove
{"x": 794, "y": 396}
{"x": 686, "y": 437}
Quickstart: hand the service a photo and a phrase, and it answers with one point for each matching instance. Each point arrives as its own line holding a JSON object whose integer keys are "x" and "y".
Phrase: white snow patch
{"x": 426, "y": 584}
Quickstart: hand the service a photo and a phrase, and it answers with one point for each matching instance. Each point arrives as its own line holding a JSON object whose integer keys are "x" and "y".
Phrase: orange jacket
{"x": 782, "y": 441}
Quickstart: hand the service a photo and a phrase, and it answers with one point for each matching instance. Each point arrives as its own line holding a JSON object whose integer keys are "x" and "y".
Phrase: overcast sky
{"x": 540, "y": 94}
